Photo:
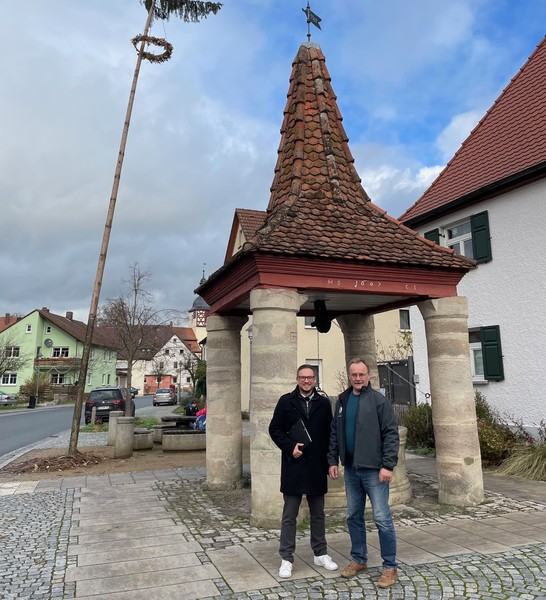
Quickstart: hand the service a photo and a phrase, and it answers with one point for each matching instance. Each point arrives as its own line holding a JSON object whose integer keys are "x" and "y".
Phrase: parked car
{"x": 134, "y": 391}
{"x": 7, "y": 399}
{"x": 164, "y": 396}
{"x": 107, "y": 399}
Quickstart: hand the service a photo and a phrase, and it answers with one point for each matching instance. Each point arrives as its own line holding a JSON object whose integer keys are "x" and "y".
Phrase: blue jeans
{"x": 360, "y": 482}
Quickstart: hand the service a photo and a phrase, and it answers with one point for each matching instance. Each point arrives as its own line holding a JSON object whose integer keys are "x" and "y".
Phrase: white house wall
{"x": 509, "y": 291}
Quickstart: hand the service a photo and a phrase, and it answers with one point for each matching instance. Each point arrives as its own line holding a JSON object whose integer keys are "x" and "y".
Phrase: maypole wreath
{"x": 154, "y": 41}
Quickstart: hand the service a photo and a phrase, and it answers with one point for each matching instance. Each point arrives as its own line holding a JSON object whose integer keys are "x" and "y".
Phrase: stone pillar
{"x": 224, "y": 423}
{"x": 359, "y": 335}
{"x": 112, "y": 421}
{"x": 125, "y": 427}
{"x": 274, "y": 364}
{"x": 458, "y": 459}
{"x": 400, "y": 486}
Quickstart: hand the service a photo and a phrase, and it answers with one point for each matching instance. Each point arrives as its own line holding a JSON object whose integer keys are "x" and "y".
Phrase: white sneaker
{"x": 286, "y": 569}
{"x": 326, "y": 562}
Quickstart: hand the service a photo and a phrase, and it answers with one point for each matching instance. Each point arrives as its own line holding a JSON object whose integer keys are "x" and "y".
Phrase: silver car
{"x": 164, "y": 396}
{"x": 7, "y": 399}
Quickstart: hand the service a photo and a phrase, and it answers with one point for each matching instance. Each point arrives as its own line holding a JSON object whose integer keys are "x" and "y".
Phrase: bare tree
{"x": 132, "y": 323}
{"x": 189, "y": 11}
{"x": 11, "y": 357}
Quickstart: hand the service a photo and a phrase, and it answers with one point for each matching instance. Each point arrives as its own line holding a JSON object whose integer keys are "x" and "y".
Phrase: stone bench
{"x": 158, "y": 431}
{"x": 143, "y": 439}
{"x": 183, "y": 440}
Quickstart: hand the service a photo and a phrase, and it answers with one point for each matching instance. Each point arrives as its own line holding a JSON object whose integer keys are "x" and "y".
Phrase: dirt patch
{"x": 52, "y": 463}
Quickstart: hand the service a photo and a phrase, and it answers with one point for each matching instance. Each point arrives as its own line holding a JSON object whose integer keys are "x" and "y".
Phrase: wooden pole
{"x": 73, "y": 447}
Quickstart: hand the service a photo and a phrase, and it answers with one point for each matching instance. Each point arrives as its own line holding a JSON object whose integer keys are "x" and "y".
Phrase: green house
{"x": 50, "y": 346}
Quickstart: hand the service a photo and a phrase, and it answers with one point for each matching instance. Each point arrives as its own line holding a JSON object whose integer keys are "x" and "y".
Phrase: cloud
{"x": 411, "y": 80}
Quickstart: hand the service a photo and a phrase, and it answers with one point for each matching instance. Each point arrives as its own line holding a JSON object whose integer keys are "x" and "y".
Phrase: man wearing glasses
{"x": 365, "y": 438}
{"x": 301, "y": 429}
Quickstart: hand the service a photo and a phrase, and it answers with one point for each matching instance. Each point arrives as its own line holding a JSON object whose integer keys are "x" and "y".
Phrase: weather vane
{"x": 311, "y": 18}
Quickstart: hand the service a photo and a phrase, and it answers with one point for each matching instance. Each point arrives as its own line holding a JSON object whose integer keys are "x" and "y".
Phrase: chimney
{"x": 7, "y": 318}
{"x": 69, "y": 315}
{"x": 45, "y": 308}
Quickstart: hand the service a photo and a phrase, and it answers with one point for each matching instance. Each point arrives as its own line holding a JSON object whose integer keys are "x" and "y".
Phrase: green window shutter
{"x": 433, "y": 235}
{"x": 492, "y": 353}
{"x": 481, "y": 238}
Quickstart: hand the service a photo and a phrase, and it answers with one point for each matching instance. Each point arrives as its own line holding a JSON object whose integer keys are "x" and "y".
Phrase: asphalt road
{"x": 21, "y": 427}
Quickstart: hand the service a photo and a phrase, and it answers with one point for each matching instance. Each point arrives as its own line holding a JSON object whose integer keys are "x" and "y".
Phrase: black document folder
{"x": 298, "y": 432}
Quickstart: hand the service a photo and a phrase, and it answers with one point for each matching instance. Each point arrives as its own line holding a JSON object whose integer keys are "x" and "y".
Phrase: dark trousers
{"x": 290, "y": 511}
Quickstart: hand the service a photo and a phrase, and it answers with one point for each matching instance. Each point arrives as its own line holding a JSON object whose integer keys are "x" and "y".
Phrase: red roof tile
{"x": 318, "y": 207}
{"x": 509, "y": 140}
{"x": 250, "y": 220}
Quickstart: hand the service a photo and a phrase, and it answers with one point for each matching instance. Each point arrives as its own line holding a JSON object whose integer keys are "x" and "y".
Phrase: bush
{"x": 496, "y": 442}
{"x": 418, "y": 421}
{"x": 528, "y": 459}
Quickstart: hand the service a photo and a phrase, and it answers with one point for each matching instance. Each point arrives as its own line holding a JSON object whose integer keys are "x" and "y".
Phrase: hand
{"x": 385, "y": 476}
{"x": 333, "y": 472}
{"x": 296, "y": 453}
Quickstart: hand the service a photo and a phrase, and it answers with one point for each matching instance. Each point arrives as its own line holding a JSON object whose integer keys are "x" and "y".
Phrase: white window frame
{"x": 317, "y": 363}
{"x": 13, "y": 351}
{"x": 460, "y": 241}
{"x": 28, "y": 329}
{"x": 407, "y": 311}
{"x": 48, "y": 329}
{"x": 60, "y": 352}
{"x": 308, "y": 321}
{"x": 58, "y": 378}
{"x": 9, "y": 379}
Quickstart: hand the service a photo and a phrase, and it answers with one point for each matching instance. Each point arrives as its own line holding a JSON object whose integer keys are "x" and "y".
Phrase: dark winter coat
{"x": 307, "y": 474}
{"x": 376, "y": 438}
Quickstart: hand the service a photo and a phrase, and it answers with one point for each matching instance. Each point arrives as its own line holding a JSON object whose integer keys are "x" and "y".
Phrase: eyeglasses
{"x": 305, "y": 378}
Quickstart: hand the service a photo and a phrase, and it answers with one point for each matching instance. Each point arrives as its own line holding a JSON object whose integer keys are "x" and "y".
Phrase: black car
{"x": 106, "y": 399}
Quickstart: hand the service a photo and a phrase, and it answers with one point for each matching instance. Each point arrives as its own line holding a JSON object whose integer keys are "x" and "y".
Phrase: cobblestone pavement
{"x": 36, "y": 523}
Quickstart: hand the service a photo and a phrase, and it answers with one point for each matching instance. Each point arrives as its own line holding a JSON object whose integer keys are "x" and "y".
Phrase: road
{"x": 21, "y": 427}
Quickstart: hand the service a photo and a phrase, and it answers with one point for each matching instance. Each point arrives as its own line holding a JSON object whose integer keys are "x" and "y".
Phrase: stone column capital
{"x": 276, "y": 298}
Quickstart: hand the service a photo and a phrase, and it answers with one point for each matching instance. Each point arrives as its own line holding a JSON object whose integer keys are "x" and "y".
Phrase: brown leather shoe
{"x": 353, "y": 568}
{"x": 388, "y": 577}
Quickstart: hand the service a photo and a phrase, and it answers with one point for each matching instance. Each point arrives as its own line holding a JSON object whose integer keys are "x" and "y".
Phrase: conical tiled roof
{"x": 318, "y": 208}
{"x": 509, "y": 141}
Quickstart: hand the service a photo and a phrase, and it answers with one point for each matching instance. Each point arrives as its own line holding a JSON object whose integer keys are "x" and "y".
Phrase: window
{"x": 161, "y": 365}
{"x": 404, "y": 319}
{"x": 486, "y": 354}
{"x": 48, "y": 329}
{"x": 175, "y": 365}
{"x": 103, "y": 379}
{"x": 166, "y": 352}
{"x": 89, "y": 375}
{"x": 309, "y": 322}
{"x": 28, "y": 329}
{"x": 470, "y": 237}
{"x": 9, "y": 379}
{"x": 459, "y": 238}
{"x": 60, "y": 352}
{"x": 188, "y": 379}
{"x": 57, "y": 378}
{"x": 12, "y": 352}
{"x": 108, "y": 379}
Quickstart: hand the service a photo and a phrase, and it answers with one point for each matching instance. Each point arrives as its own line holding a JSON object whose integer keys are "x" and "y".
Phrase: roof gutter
{"x": 483, "y": 193}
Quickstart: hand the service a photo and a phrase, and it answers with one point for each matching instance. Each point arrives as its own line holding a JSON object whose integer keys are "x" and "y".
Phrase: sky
{"x": 412, "y": 79}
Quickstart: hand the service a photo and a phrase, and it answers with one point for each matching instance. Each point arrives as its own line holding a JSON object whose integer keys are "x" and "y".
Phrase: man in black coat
{"x": 301, "y": 429}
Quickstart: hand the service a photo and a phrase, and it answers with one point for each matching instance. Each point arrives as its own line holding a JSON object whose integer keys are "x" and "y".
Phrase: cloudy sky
{"x": 412, "y": 79}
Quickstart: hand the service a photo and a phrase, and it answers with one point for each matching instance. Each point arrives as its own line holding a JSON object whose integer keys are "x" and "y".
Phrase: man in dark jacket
{"x": 301, "y": 429}
{"x": 365, "y": 438}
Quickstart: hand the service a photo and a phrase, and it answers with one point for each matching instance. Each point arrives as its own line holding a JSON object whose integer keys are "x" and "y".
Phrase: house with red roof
{"x": 489, "y": 204}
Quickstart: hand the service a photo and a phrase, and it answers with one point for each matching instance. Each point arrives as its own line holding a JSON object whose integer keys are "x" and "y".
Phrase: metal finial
{"x": 311, "y": 18}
